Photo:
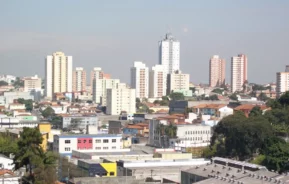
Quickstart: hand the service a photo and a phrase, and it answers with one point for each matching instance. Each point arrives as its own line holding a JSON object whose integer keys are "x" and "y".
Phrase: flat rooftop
{"x": 88, "y": 135}
{"x": 128, "y": 153}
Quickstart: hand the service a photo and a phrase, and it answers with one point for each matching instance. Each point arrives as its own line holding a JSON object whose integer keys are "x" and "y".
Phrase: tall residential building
{"x": 79, "y": 79}
{"x": 97, "y": 73}
{"x": 157, "y": 82}
{"x": 58, "y": 73}
{"x": 32, "y": 84}
{"x": 217, "y": 71}
{"x": 120, "y": 99}
{"x": 140, "y": 79}
{"x": 238, "y": 72}
{"x": 282, "y": 81}
{"x": 169, "y": 53}
{"x": 178, "y": 81}
{"x": 100, "y": 87}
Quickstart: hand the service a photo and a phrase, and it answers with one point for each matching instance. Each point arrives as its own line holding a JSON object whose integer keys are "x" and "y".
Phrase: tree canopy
{"x": 258, "y": 138}
{"x": 177, "y": 96}
{"x": 47, "y": 112}
{"x": 41, "y": 165}
{"x": 28, "y": 103}
{"x": 3, "y": 83}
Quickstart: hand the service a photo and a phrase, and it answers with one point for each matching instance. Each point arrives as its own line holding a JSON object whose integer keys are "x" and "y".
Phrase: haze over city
{"x": 113, "y": 35}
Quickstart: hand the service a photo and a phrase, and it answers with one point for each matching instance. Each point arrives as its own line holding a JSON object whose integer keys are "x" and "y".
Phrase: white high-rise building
{"x": 120, "y": 99}
{"x": 79, "y": 79}
{"x": 178, "y": 81}
{"x": 169, "y": 53}
{"x": 238, "y": 72}
{"x": 157, "y": 82}
{"x": 58, "y": 73}
{"x": 97, "y": 73}
{"x": 282, "y": 81}
{"x": 100, "y": 87}
{"x": 140, "y": 79}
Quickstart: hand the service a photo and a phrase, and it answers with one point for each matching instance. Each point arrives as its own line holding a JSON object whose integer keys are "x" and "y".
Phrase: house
{"x": 73, "y": 109}
{"x": 6, "y": 163}
{"x": 16, "y": 106}
{"x": 246, "y": 108}
{"x": 216, "y": 110}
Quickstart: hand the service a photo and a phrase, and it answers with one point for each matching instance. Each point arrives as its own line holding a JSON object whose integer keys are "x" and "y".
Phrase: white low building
{"x": 6, "y": 163}
{"x": 11, "y": 122}
{"x": 64, "y": 144}
{"x": 191, "y": 136}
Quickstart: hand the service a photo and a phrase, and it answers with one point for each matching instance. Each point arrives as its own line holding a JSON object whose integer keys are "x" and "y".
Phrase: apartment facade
{"x": 169, "y": 53}
{"x": 79, "y": 79}
{"x": 58, "y": 73}
{"x": 100, "y": 87}
{"x": 178, "y": 81}
{"x": 97, "y": 73}
{"x": 64, "y": 144}
{"x": 238, "y": 72}
{"x": 32, "y": 84}
{"x": 191, "y": 136}
{"x": 282, "y": 82}
{"x": 80, "y": 121}
{"x": 140, "y": 79}
{"x": 120, "y": 99}
{"x": 157, "y": 82}
{"x": 217, "y": 71}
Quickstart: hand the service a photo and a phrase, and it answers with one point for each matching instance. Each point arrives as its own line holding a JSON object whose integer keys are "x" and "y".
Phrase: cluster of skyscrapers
{"x": 163, "y": 78}
{"x": 238, "y": 72}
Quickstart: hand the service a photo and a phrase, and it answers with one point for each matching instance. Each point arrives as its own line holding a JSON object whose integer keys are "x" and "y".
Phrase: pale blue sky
{"x": 113, "y": 34}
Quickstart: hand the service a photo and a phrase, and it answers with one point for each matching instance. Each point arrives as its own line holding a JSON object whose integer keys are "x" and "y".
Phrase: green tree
{"x": 29, "y": 147}
{"x": 3, "y": 83}
{"x": 213, "y": 97}
{"x": 7, "y": 144}
{"x": 276, "y": 154}
{"x": 28, "y": 103}
{"x": 150, "y": 111}
{"x": 233, "y": 97}
{"x": 47, "y": 112}
{"x": 273, "y": 104}
{"x": 177, "y": 96}
{"x": 18, "y": 83}
{"x": 218, "y": 90}
{"x": 241, "y": 137}
{"x": 256, "y": 111}
{"x": 284, "y": 99}
{"x": 263, "y": 97}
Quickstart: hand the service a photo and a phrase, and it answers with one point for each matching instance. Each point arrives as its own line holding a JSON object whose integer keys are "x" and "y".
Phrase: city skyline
{"x": 91, "y": 45}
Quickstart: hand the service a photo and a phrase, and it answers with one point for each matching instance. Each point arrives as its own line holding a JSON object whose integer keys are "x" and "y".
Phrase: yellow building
{"x": 95, "y": 168}
{"x": 45, "y": 130}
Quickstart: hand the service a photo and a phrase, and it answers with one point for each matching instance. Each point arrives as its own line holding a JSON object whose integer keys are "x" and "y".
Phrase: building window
{"x": 67, "y": 149}
{"x": 97, "y": 141}
{"x": 105, "y": 140}
{"x": 90, "y": 141}
{"x": 114, "y": 147}
{"x": 105, "y": 148}
{"x": 79, "y": 141}
{"x": 111, "y": 173}
{"x": 98, "y": 148}
{"x": 113, "y": 140}
{"x": 67, "y": 141}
